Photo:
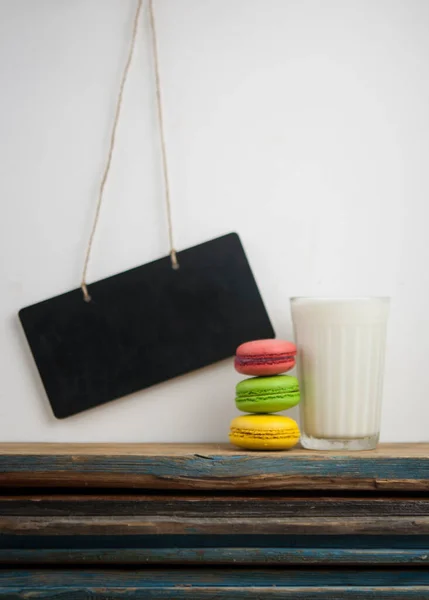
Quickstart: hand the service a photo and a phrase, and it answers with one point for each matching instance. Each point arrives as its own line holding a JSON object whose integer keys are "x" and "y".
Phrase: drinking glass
{"x": 341, "y": 349}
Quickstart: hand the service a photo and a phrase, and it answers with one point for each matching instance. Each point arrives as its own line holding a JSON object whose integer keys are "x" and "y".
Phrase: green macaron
{"x": 267, "y": 394}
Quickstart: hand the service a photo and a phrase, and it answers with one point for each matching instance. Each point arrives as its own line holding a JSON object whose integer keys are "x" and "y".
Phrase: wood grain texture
{"x": 248, "y": 505}
{"x": 410, "y": 450}
{"x": 226, "y": 593}
{"x": 258, "y": 556}
{"x": 173, "y": 514}
{"x": 212, "y": 466}
{"x": 201, "y": 577}
{"x": 214, "y": 583}
{"x": 271, "y": 528}
{"x": 159, "y": 525}
{"x": 101, "y": 542}
{"x": 182, "y": 593}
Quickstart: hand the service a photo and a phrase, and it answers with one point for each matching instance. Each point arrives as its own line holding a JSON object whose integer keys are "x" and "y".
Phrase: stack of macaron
{"x": 268, "y": 391}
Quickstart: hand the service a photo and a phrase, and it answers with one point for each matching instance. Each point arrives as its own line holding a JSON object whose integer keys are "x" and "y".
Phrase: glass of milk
{"x": 341, "y": 347}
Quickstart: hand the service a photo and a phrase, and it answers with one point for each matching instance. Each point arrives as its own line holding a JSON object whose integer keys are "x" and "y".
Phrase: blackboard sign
{"x": 145, "y": 326}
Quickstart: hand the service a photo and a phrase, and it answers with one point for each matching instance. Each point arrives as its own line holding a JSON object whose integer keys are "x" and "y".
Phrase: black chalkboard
{"x": 145, "y": 326}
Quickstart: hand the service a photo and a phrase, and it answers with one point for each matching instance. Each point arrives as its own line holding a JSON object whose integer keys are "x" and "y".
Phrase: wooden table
{"x": 122, "y": 521}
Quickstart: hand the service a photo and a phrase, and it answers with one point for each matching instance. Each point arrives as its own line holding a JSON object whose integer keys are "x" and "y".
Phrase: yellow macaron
{"x": 264, "y": 432}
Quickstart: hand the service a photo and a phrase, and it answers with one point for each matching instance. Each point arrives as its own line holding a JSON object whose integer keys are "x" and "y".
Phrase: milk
{"x": 341, "y": 348}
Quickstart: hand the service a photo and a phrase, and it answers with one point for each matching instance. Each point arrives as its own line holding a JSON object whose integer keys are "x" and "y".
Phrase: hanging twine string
{"x": 174, "y": 262}
{"x": 173, "y": 255}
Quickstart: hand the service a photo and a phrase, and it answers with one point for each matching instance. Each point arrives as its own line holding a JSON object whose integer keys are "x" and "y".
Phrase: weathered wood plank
{"x": 225, "y": 593}
{"x": 398, "y": 450}
{"x": 212, "y": 466}
{"x": 27, "y": 583}
{"x": 171, "y": 525}
{"x": 101, "y": 542}
{"x": 211, "y": 577}
{"x": 399, "y": 542}
{"x": 259, "y": 556}
{"x": 194, "y": 506}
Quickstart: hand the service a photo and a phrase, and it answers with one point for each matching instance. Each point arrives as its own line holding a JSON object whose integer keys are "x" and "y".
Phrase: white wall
{"x": 302, "y": 125}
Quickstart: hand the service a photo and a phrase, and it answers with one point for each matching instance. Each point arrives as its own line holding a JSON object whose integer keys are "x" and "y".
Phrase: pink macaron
{"x": 265, "y": 357}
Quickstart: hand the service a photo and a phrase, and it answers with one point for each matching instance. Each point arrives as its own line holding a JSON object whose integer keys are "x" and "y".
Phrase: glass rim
{"x": 339, "y": 298}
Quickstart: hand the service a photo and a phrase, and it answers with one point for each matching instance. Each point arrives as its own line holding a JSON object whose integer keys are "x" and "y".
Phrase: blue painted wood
{"x": 218, "y": 556}
{"x": 212, "y": 468}
{"x": 201, "y": 577}
{"x": 241, "y": 465}
{"x": 184, "y": 592}
{"x": 214, "y": 583}
{"x": 222, "y": 467}
{"x": 105, "y": 542}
